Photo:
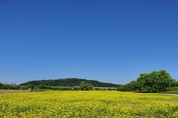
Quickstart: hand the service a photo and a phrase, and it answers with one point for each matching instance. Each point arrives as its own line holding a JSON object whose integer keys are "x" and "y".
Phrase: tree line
{"x": 156, "y": 81}
{"x": 59, "y": 84}
{"x": 68, "y": 82}
{"x": 9, "y": 86}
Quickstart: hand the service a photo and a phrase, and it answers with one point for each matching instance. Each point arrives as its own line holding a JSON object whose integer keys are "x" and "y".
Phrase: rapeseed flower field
{"x": 87, "y": 104}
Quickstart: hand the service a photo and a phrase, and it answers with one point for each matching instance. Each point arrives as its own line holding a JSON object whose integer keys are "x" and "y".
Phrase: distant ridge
{"x": 69, "y": 82}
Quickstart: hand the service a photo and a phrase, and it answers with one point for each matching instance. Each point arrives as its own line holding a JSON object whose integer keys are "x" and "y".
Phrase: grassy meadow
{"x": 87, "y": 104}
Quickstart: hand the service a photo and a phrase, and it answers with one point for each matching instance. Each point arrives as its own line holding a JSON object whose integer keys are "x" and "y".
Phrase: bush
{"x": 86, "y": 86}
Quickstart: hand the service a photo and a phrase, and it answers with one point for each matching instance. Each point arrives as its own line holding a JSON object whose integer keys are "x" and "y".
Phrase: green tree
{"x": 123, "y": 88}
{"x": 155, "y": 81}
{"x": 133, "y": 86}
{"x": 164, "y": 81}
{"x": 30, "y": 86}
{"x": 174, "y": 83}
{"x": 141, "y": 81}
{"x": 86, "y": 86}
{"x": 1, "y": 85}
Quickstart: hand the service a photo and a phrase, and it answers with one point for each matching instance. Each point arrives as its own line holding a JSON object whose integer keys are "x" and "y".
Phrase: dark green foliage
{"x": 30, "y": 86}
{"x": 69, "y": 82}
{"x": 44, "y": 87}
{"x": 86, "y": 86}
{"x": 9, "y": 86}
{"x": 174, "y": 83}
{"x": 132, "y": 86}
{"x": 123, "y": 88}
{"x": 155, "y": 81}
{"x": 1, "y": 85}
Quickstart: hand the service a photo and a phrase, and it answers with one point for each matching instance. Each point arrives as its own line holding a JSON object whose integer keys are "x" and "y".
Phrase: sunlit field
{"x": 87, "y": 104}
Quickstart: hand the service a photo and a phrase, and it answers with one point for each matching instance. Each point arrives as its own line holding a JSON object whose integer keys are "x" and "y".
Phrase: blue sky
{"x": 110, "y": 41}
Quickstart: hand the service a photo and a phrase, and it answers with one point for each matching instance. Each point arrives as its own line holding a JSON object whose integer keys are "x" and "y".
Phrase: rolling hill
{"x": 69, "y": 82}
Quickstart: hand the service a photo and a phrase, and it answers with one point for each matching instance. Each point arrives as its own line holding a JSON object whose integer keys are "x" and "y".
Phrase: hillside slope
{"x": 69, "y": 82}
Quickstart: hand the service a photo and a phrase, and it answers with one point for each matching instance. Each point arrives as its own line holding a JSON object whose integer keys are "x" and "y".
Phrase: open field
{"x": 87, "y": 104}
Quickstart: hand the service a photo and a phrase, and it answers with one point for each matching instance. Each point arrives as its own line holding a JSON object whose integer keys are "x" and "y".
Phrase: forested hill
{"x": 69, "y": 82}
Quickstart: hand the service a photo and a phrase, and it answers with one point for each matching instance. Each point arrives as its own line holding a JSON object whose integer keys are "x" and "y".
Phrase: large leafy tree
{"x": 154, "y": 81}
{"x": 141, "y": 80}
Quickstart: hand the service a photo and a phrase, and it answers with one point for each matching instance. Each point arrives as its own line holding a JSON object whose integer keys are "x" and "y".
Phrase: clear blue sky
{"x": 106, "y": 40}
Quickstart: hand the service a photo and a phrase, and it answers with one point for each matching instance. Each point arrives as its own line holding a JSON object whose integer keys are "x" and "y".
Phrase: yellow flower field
{"x": 87, "y": 104}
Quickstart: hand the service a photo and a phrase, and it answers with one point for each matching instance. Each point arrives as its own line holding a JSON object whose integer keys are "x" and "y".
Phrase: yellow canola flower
{"x": 87, "y": 104}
